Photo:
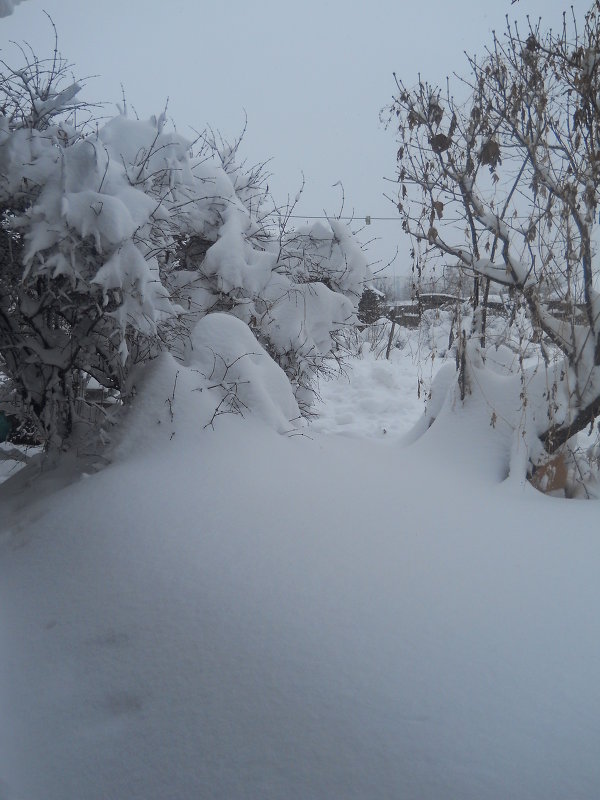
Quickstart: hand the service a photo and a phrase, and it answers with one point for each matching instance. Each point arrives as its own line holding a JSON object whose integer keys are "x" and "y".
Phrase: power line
{"x": 367, "y": 218}
{"x": 356, "y": 218}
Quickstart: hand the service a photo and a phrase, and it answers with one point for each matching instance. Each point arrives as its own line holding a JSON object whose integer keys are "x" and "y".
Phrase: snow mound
{"x": 224, "y": 371}
{"x": 227, "y": 355}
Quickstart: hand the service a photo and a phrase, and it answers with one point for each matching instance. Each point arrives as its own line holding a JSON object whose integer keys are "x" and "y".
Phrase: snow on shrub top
{"x": 123, "y": 240}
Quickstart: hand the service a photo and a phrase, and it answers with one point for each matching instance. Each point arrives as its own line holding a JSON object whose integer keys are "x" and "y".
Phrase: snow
{"x": 237, "y": 264}
{"x": 241, "y": 371}
{"x": 375, "y": 398}
{"x": 228, "y": 612}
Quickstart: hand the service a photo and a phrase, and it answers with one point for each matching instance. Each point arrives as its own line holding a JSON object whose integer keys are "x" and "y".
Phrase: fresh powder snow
{"x": 328, "y": 612}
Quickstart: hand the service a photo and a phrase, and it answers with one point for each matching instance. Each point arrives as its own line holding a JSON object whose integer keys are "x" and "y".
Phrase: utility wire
{"x": 366, "y": 219}
{"x": 356, "y": 218}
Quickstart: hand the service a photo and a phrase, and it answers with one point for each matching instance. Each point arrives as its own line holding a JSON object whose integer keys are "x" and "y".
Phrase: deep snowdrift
{"x": 233, "y": 613}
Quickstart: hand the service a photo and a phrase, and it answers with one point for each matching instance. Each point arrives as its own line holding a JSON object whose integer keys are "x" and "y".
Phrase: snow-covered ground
{"x": 235, "y": 613}
{"x": 374, "y": 398}
{"x": 8, "y": 467}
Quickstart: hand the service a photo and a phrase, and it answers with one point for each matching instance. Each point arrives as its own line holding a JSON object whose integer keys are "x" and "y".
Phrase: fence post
{"x": 389, "y": 344}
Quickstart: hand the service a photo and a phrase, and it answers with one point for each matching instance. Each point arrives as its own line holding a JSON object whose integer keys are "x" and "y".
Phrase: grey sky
{"x": 312, "y": 77}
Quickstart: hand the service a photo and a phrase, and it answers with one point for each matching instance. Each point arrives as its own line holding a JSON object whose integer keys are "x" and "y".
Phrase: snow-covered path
{"x": 375, "y": 398}
{"x": 236, "y": 614}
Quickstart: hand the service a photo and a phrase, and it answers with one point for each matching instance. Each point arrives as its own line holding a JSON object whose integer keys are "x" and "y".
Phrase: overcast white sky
{"x": 312, "y": 77}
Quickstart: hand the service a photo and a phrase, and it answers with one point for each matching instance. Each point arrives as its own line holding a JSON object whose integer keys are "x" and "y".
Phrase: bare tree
{"x": 500, "y": 176}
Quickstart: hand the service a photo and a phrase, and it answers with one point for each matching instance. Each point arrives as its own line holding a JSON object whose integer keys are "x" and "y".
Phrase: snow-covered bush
{"x": 294, "y": 288}
{"x": 81, "y": 232}
{"x": 117, "y": 237}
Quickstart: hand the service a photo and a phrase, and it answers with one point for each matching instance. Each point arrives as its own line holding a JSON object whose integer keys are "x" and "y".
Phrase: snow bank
{"x": 224, "y": 351}
{"x": 224, "y": 372}
{"x": 233, "y": 613}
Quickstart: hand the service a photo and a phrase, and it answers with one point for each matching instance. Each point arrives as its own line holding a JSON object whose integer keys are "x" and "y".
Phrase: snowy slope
{"x": 233, "y": 613}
